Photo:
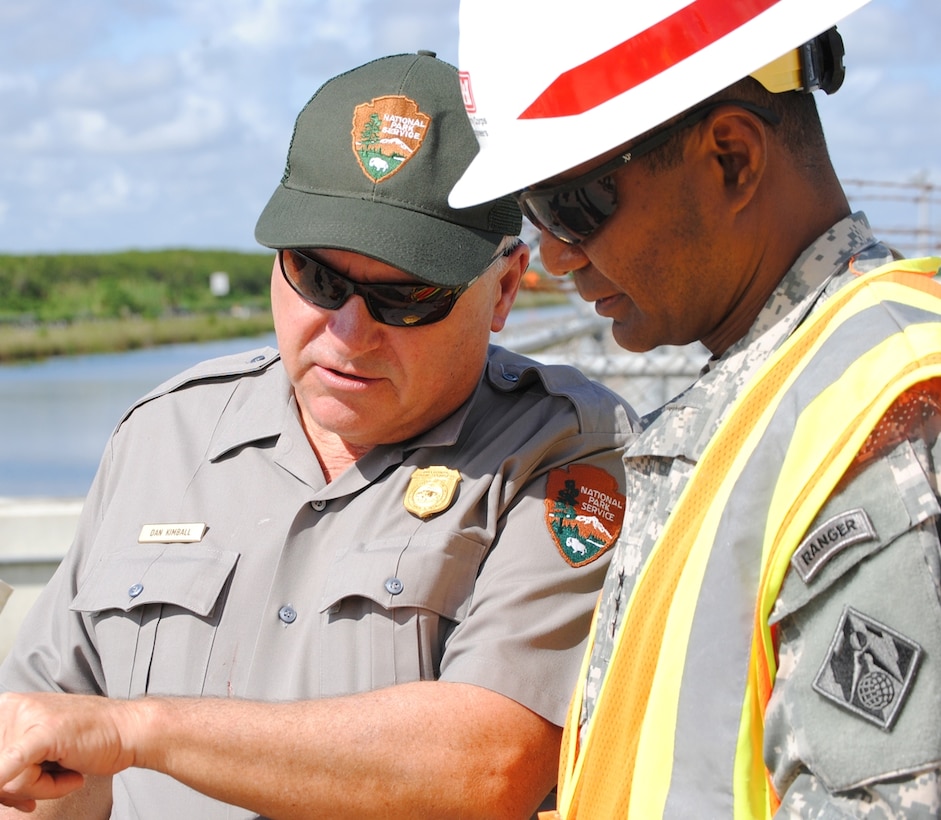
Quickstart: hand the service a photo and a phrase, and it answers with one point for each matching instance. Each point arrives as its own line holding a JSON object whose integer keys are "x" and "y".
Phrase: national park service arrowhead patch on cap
{"x": 387, "y": 132}
{"x": 584, "y": 511}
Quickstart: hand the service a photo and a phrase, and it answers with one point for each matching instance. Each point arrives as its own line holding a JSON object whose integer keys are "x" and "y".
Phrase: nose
{"x": 353, "y": 326}
{"x": 558, "y": 257}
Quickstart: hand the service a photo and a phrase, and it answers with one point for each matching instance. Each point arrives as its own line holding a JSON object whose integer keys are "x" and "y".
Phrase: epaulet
{"x": 222, "y": 367}
{"x": 508, "y": 371}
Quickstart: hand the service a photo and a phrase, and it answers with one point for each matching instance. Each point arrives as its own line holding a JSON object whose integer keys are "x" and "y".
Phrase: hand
{"x": 49, "y": 741}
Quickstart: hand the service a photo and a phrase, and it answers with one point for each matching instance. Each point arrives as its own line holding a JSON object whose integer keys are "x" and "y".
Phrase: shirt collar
{"x": 255, "y": 411}
{"x": 808, "y": 276}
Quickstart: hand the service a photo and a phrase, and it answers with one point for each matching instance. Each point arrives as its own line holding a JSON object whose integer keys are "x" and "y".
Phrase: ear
{"x": 508, "y": 285}
{"x": 738, "y": 143}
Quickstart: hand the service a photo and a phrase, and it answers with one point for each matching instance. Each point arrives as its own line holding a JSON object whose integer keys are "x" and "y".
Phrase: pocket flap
{"x": 436, "y": 573}
{"x": 159, "y": 573}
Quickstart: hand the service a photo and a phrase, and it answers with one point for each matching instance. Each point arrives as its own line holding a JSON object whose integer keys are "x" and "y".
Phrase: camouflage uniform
{"x": 826, "y": 760}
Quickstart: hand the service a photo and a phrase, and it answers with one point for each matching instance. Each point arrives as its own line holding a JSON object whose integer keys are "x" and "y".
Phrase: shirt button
{"x": 511, "y": 377}
{"x": 287, "y": 614}
{"x": 319, "y": 505}
{"x": 394, "y": 586}
{"x": 135, "y": 590}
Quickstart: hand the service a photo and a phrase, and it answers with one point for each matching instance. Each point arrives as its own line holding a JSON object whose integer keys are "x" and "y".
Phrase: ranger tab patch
{"x": 584, "y": 512}
{"x": 869, "y": 669}
{"x": 832, "y": 536}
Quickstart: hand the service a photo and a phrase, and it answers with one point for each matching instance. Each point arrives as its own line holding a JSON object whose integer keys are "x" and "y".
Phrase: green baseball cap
{"x": 374, "y": 155}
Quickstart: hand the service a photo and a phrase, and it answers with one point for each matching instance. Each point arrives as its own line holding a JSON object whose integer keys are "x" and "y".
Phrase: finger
{"x": 43, "y": 782}
{"x": 26, "y": 755}
{"x": 19, "y": 805}
{"x": 14, "y": 762}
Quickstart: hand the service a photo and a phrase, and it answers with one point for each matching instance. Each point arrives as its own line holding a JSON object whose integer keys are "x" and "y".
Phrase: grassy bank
{"x": 114, "y": 335}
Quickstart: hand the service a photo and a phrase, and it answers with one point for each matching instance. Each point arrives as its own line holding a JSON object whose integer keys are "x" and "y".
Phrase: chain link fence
{"x": 578, "y": 337}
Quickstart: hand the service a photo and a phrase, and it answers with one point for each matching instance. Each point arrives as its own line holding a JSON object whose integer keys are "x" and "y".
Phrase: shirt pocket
{"x": 152, "y": 613}
{"x": 388, "y": 607}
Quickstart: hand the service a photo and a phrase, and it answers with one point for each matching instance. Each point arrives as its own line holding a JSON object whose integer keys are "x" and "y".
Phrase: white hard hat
{"x": 549, "y": 85}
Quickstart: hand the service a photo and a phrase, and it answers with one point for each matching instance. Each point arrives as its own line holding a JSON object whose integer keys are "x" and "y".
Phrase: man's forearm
{"x": 420, "y": 750}
{"x": 417, "y": 750}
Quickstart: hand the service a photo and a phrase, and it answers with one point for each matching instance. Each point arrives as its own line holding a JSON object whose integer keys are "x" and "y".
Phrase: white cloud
{"x": 112, "y": 82}
{"x": 196, "y": 121}
{"x": 101, "y": 196}
{"x": 148, "y": 123}
{"x": 262, "y": 25}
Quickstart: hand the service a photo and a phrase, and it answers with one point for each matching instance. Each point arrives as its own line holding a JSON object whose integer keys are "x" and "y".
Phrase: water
{"x": 56, "y": 415}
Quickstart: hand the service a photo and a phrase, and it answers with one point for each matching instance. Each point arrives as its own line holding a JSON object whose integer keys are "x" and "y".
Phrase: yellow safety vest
{"x": 678, "y": 725}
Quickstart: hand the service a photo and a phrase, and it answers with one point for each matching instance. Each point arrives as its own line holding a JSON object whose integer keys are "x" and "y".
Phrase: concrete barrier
{"x": 34, "y": 535}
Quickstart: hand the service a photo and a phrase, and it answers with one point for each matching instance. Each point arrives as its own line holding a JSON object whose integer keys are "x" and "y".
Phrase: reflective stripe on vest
{"x": 692, "y": 627}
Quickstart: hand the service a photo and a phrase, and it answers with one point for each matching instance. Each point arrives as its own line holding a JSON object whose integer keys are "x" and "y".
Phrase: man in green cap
{"x": 352, "y": 577}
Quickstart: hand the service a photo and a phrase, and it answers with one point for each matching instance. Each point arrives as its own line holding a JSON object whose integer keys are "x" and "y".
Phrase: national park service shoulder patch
{"x": 387, "y": 132}
{"x": 584, "y": 512}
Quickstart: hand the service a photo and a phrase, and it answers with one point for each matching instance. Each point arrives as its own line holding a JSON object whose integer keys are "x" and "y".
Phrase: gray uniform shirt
{"x": 826, "y": 760}
{"x": 301, "y": 589}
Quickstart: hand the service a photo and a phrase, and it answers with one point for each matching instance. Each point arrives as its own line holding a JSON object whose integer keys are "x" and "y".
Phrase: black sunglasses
{"x": 399, "y": 305}
{"x": 572, "y": 211}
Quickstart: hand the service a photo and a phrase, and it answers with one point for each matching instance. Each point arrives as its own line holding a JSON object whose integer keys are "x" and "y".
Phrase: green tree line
{"x": 61, "y": 304}
{"x": 149, "y": 284}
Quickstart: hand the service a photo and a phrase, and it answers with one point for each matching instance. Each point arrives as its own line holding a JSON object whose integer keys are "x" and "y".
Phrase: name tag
{"x": 172, "y": 533}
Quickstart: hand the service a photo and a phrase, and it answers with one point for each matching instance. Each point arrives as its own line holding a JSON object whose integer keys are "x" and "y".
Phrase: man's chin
{"x": 627, "y": 336}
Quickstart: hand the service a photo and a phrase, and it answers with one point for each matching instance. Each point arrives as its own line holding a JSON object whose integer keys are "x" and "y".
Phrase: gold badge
{"x": 431, "y": 490}
{"x": 387, "y": 132}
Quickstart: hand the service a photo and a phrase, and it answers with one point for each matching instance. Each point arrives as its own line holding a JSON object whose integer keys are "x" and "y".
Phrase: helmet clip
{"x": 822, "y": 62}
{"x": 817, "y": 64}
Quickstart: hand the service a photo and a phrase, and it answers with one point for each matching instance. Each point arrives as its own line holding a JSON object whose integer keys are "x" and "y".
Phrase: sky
{"x": 165, "y": 123}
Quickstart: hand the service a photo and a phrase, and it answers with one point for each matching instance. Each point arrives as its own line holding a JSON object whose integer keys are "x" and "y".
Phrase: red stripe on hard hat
{"x": 645, "y": 55}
